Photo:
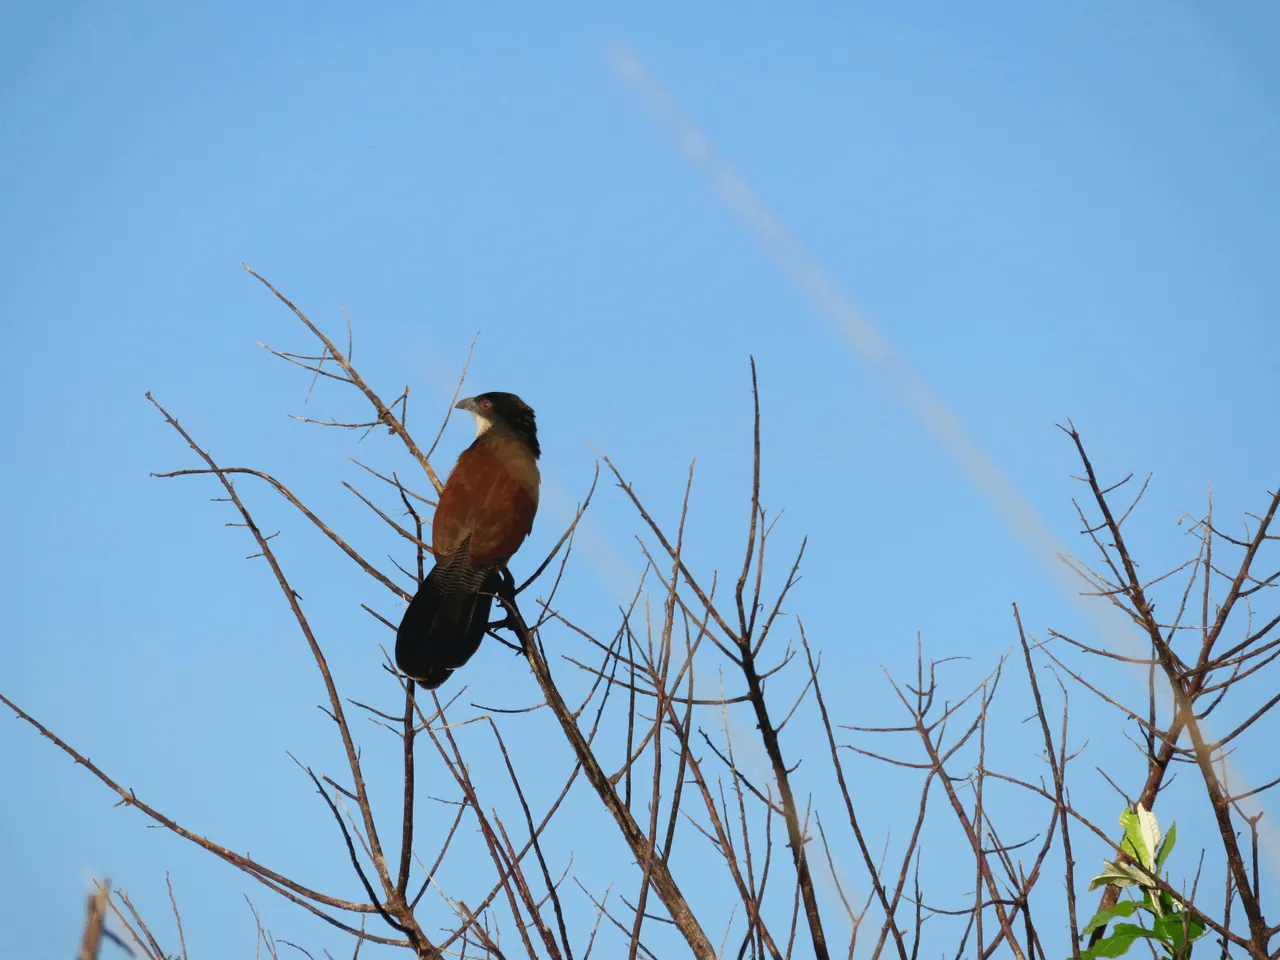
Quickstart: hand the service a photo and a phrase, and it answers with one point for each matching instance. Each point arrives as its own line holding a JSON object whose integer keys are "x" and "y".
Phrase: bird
{"x": 485, "y": 512}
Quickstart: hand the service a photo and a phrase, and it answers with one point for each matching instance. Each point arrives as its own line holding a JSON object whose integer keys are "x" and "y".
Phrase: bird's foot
{"x": 507, "y": 587}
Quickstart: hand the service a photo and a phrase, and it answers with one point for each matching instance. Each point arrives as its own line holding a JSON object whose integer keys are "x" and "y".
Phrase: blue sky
{"x": 1048, "y": 211}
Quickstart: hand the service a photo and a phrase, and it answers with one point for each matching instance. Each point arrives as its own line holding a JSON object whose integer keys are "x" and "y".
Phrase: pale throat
{"x": 483, "y": 424}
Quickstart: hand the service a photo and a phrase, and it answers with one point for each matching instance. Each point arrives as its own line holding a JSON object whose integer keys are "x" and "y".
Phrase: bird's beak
{"x": 468, "y": 405}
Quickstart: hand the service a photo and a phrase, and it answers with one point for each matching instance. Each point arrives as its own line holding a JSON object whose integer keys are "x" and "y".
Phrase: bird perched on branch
{"x": 486, "y": 510}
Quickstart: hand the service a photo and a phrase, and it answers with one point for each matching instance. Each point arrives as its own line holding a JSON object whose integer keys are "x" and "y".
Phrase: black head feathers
{"x": 505, "y": 411}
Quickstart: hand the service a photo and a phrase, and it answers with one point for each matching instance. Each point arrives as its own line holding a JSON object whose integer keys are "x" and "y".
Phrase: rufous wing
{"x": 488, "y": 498}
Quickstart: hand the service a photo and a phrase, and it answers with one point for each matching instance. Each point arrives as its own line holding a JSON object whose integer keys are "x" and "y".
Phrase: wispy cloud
{"x": 826, "y": 298}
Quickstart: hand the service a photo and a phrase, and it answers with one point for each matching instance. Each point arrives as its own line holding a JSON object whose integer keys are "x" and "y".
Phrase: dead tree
{"x": 662, "y": 761}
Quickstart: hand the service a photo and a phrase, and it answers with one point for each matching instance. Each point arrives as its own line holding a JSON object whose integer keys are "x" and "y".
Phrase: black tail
{"x": 445, "y": 621}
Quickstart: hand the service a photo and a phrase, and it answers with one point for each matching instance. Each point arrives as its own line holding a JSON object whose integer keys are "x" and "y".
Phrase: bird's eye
{"x": 485, "y": 405}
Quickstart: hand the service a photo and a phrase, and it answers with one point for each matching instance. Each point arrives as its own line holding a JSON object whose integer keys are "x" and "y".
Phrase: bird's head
{"x": 504, "y": 411}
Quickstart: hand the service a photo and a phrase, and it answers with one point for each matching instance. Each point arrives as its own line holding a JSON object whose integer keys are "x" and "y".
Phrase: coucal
{"x": 485, "y": 511}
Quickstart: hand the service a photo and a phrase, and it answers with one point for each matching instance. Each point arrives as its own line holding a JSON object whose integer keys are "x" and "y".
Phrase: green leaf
{"x": 1133, "y": 843}
{"x": 1133, "y": 930}
{"x": 1166, "y": 848}
{"x": 1100, "y": 919}
{"x": 1149, "y": 827}
{"x": 1120, "y": 874}
{"x": 1195, "y": 929}
{"x": 1161, "y": 902}
{"x": 1115, "y": 945}
{"x": 1170, "y": 903}
{"x": 1178, "y": 930}
{"x": 1170, "y": 930}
